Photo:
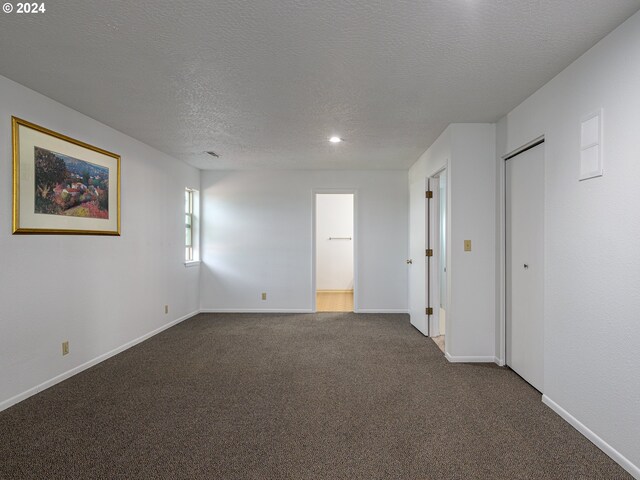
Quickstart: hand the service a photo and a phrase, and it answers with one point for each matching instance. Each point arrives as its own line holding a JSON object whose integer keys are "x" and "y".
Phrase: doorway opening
{"x": 335, "y": 277}
{"x": 437, "y": 269}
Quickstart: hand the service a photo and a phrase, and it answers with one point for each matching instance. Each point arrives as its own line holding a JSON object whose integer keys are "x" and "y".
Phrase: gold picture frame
{"x": 62, "y": 185}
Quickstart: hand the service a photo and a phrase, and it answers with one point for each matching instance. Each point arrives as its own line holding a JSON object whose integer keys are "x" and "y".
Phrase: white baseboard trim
{"x": 100, "y": 358}
{"x": 375, "y": 310}
{"x": 458, "y": 359}
{"x": 255, "y": 310}
{"x": 620, "y": 459}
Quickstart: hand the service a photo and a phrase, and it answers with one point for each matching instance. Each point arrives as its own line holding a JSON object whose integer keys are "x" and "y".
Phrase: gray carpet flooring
{"x": 327, "y": 396}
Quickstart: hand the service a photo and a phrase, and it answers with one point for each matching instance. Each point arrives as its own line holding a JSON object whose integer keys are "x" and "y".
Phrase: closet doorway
{"x": 334, "y": 252}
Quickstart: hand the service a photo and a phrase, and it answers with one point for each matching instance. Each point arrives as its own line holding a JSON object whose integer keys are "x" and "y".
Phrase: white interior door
{"x": 525, "y": 265}
{"x": 417, "y": 268}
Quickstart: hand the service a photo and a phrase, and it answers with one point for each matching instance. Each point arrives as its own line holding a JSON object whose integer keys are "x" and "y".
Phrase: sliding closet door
{"x": 525, "y": 264}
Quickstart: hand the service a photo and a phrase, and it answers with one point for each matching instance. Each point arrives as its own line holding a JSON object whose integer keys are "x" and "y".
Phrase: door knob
{"x": 409, "y": 262}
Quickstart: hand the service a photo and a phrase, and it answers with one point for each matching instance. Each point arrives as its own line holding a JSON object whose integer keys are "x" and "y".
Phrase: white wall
{"x": 97, "y": 292}
{"x": 592, "y": 268}
{"x": 334, "y": 258}
{"x": 257, "y": 237}
{"x": 468, "y": 151}
{"x": 472, "y": 316}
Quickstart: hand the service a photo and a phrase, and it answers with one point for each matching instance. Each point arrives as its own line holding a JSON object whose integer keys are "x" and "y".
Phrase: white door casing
{"x": 433, "y": 263}
{"x": 424, "y": 233}
{"x": 314, "y": 193}
{"x": 334, "y": 241}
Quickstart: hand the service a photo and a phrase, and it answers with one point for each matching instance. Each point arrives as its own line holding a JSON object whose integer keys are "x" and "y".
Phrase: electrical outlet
{"x": 264, "y": 295}
{"x": 65, "y": 347}
{"x": 166, "y": 309}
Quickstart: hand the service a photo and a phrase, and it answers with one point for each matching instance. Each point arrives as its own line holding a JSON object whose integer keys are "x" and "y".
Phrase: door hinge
{"x": 429, "y": 194}
{"x": 429, "y": 310}
{"x": 429, "y": 252}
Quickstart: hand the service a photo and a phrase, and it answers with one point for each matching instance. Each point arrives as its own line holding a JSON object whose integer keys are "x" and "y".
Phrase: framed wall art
{"x": 62, "y": 185}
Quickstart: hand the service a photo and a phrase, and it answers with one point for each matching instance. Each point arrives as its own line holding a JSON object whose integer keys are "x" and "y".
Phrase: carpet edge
{"x": 100, "y": 358}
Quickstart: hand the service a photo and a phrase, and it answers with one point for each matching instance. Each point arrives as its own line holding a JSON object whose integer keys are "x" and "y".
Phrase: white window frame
{"x": 191, "y": 220}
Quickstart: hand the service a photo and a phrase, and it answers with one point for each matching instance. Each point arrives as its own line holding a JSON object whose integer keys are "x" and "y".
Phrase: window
{"x": 190, "y": 225}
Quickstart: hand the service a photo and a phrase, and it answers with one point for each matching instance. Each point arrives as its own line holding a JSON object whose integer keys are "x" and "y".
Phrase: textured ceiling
{"x": 264, "y": 83}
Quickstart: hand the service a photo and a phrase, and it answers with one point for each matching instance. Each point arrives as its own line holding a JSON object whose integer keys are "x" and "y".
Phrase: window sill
{"x": 194, "y": 263}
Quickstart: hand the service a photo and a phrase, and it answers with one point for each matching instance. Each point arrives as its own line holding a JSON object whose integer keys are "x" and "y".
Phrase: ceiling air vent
{"x": 213, "y": 154}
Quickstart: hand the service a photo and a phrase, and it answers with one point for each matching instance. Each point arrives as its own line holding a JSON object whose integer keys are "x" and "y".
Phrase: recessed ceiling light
{"x": 335, "y": 139}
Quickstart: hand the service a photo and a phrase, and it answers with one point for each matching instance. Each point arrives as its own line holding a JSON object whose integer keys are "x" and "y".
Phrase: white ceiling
{"x": 264, "y": 83}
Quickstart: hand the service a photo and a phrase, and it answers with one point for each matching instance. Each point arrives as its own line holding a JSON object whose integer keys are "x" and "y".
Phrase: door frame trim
{"x": 433, "y": 272}
{"x": 501, "y": 356}
{"x": 356, "y": 239}
{"x": 527, "y": 146}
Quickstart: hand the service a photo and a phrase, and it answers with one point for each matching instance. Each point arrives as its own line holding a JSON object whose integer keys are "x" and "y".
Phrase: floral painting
{"x": 68, "y": 186}
{"x": 62, "y": 185}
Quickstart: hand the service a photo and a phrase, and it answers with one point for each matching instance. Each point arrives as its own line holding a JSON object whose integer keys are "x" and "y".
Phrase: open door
{"x": 417, "y": 261}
